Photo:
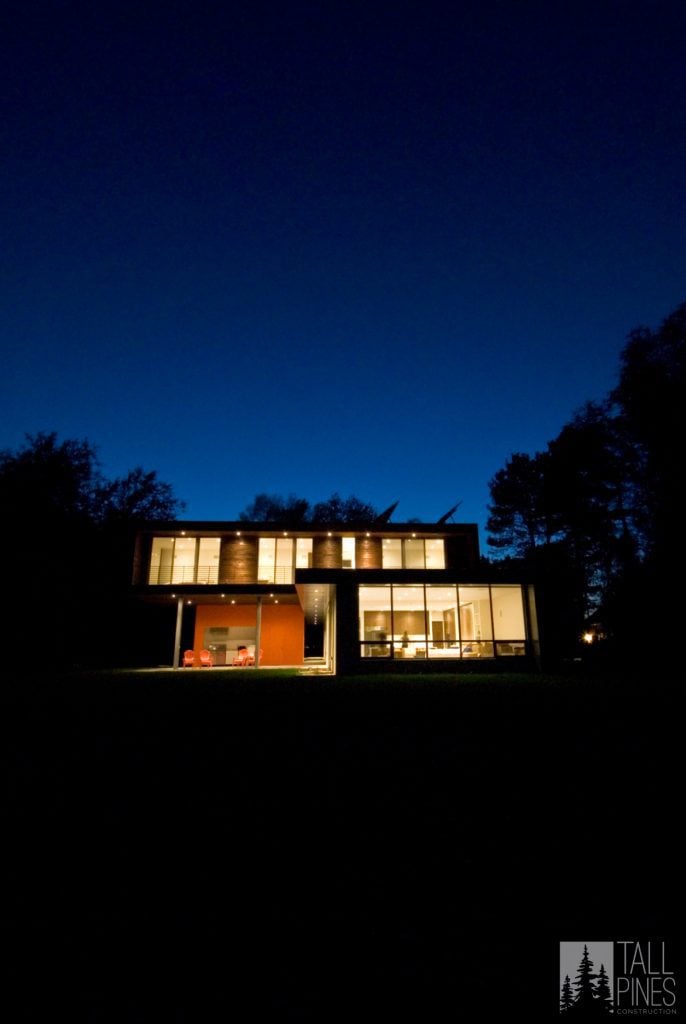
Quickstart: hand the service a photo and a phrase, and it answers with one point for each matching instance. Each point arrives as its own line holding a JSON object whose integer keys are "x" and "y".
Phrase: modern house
{"x": 339, "y": 598}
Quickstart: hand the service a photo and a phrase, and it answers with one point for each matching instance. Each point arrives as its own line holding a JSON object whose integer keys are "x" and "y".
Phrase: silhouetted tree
{"x": 584, "y": 1000}
{"x": 137, "y": 497}
{"x": 651, "y": 400}
{"x": 293, "y": 511}
{"x": 47, "y": 480}
{"x": 567, "y": 996}
{"x": 274, "y": 508}
{"x": 602, "y": 993}
{"x": 605, "y": 495}
{"x": 69, "y": 556}
{"x": 519, "y": 518}
{"x": 343, "y": 510}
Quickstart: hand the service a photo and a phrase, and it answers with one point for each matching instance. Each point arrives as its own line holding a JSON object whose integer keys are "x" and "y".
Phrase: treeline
{"x": 295, "y": 511}
{"x": 67, "y": 532}
{"x": 596, "y": 518}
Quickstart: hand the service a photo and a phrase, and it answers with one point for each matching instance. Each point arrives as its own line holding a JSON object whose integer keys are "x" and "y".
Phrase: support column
{"x": 258, "y": 632}
{"x": 177, "y": 634}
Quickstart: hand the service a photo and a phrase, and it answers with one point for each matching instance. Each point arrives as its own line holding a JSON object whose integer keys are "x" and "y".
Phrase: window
{"x": 508, "y": 619}
{"x": 413, "y": 553}
{"x": 392, "y": 553}
{"x": 444, "y": 623}
{"x": 409, "y": 621}
{"x": 435, "y": 553}
{"x": 348, "y": 552}
{"x": 437, "y": 621}
{"x": 375, "y": 621}
{"x": 184, "y": 560}
{"x": 476, "y": 627}
{"x": 275, "y": 560}
{"x": 303, "y": 553}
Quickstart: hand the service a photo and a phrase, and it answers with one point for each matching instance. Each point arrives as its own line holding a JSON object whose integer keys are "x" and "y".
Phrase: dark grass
{"x": 198, "y": 846}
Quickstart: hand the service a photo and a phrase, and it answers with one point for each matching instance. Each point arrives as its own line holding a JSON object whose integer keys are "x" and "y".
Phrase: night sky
{"x": 305, "y": 247}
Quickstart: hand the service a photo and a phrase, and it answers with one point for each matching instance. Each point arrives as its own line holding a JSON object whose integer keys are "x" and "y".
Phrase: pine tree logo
{"x": 589, "y": 995}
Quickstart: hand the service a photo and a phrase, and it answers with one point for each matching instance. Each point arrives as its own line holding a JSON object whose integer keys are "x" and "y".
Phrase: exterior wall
{"x": 462, "y": 551}
{"x": 141, "y": 559}
{"x": 327, "y": 553}
{"x": 283, "y": 635}
{"x": 368, "y": 553}
{"x": 282, "y": 631}
{"x": 238, "y": 560}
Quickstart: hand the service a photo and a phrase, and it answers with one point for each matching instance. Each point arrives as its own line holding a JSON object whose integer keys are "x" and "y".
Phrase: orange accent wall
{"x": 283, "y": 628}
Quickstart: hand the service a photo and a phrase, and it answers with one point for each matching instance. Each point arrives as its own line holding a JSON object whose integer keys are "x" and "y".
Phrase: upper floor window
{"x": 413, "y": 553}
{"x": 275, "y": 560}
{"x": 184, "y": 560}
{"x": 348, "y": 552}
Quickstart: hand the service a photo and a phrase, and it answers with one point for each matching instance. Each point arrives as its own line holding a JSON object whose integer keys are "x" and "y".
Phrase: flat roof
{"x": 305, "y": 529}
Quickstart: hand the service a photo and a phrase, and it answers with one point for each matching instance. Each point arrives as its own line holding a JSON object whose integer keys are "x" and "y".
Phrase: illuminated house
{"x": 344, "y": 599}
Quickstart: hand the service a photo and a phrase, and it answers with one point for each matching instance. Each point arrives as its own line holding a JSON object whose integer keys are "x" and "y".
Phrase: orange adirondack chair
{"x": 241, "y": 657}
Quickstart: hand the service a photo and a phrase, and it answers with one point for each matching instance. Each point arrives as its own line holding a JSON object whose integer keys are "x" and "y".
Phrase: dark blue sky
{"x": 373, "y": 248}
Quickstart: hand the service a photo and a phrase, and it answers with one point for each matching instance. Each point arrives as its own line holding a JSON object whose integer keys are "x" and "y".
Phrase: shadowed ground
{"x": 193, "y": 847}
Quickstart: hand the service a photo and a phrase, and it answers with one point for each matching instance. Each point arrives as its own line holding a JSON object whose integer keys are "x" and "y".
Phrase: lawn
{"x": 194, "y": 846}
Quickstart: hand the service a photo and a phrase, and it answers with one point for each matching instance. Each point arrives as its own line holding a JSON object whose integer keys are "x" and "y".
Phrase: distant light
{"x": 588, "y": 638}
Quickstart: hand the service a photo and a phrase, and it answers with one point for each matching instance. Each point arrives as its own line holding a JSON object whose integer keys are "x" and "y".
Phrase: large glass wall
{"x": 184, "y": 560}
{"x": 424, "y": 621}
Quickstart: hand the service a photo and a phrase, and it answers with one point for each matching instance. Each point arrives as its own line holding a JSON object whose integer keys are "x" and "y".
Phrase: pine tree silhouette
{"x": 584, "y": 1001}
{"x": 567, "y": 997}
{"x": 603, "y": 995}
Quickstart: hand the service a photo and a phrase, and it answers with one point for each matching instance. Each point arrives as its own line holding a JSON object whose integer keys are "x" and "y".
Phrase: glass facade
{"x": 425, "y": 621}
{"x": 184, "y": 560}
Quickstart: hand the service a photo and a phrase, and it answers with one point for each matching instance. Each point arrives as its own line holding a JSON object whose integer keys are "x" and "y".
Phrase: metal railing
{"x": 166, "y": 575}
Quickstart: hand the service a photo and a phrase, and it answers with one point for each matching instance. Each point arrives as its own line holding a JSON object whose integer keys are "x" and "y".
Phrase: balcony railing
{"x": 166, "y": 575}
{"x": 180, "y": 574}
{"x": 275, "y": 574}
